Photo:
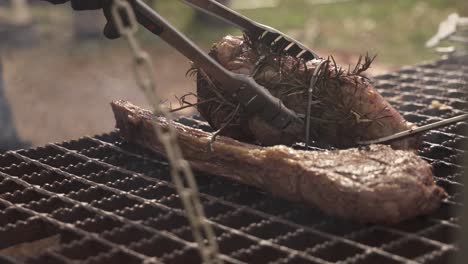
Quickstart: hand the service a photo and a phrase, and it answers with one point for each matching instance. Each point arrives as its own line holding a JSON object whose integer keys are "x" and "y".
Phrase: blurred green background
{"x": 68, "y": 72}
{"x": 394, "y": 29}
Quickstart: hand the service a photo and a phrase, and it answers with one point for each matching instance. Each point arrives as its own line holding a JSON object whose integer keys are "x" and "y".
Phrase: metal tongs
{"x": 252, "y": 96}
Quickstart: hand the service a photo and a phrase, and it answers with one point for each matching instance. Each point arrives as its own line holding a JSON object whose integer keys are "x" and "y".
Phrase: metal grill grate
{"x": 108, "y": 201}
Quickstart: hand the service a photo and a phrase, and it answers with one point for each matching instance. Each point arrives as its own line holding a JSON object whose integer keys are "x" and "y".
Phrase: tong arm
{"x": 273, "y": 37}
{"x": 155, "y": 23}
{"x": 254, "y": 97}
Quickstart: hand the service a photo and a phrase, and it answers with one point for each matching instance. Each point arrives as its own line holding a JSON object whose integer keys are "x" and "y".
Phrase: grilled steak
{"x": 373, "y": 184}
{"x": 346, "y": 107}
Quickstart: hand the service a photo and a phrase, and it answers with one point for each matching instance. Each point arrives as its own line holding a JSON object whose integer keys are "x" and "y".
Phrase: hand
{"x": 110, "y": 31}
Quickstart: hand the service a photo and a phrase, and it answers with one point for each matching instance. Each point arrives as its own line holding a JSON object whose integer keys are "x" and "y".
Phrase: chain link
{"x": 181, "y": 172}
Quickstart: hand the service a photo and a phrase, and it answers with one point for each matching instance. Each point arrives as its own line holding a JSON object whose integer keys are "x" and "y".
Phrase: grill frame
{"x": 118, "y": 204}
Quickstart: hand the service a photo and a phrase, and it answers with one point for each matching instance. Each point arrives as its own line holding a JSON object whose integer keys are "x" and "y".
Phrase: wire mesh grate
{"x": 102, "y": 200}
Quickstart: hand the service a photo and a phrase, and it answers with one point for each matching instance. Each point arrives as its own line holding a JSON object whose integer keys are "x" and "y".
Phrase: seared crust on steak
{"x": 374, "y": 184}
{"x": 346, "y": 107}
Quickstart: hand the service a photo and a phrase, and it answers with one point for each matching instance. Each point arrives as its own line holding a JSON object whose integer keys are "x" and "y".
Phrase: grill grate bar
{"x": 431, "y": 160}
{"x": 212, "y": 199}
{"x": 61, "y": 225}
{"x": 418, "y": 235}
{"x": 269, "y": 216}
{"x": 446, "y": 223}
{"x": 422, "y": 96}
{"x": 90, "y": 208}
{"x": 98, "y": 211}
{"x": 279, "y": 219}
{"x": 259, "y": 213}
{"x": 189, "y": 245}
{"x": 405, "y": 236}
{"x": 429, "y": 257}
{"x": 142, "y": 200}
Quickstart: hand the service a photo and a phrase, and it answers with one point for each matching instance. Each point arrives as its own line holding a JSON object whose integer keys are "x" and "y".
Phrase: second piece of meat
{"x": 375, "y": 184}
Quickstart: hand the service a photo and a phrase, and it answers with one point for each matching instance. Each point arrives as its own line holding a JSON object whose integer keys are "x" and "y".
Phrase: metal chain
{"x": 181, "y": 172}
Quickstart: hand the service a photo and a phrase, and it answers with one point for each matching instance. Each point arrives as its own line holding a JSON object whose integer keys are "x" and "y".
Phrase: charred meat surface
{"x": 375, "y": 184}
{"x": 345, "y": 106}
